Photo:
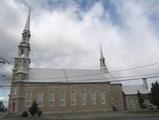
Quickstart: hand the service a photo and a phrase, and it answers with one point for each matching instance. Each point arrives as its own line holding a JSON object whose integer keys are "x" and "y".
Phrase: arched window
{"x": 103, "y": 97}
{"x": 62, "y": 98}
{"x": 83, "y": 97}
{"x": 40, "y": 99}
{"x": 73, "y": 98}
{"x": 51, "y": 99}
{"x": 93, "y": 97}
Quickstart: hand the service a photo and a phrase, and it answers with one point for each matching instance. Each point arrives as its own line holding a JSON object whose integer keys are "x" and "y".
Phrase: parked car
{"x": 152, "y": 107}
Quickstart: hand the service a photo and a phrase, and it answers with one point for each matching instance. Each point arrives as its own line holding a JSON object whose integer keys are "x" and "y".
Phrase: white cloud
{"x": 61, "y": 38}
{"x": 65, "y": 41}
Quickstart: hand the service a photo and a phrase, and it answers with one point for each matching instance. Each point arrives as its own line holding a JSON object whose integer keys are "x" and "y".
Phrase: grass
{"x": 143, "y": 112}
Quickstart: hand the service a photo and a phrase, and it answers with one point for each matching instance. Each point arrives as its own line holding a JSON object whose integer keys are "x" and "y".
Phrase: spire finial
{"x": 27, "y": 25}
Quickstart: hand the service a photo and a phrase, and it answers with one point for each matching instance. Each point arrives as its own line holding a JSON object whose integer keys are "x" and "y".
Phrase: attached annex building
{"x": 60, "y": 90}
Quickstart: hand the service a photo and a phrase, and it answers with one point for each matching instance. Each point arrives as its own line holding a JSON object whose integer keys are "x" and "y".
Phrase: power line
{"x": 101, "y": 72}
{"x": 95, "y": 80}
{"x": 4, "y": 61}
{"x": 136, "y": 67}
{"x": 109, "y": 73}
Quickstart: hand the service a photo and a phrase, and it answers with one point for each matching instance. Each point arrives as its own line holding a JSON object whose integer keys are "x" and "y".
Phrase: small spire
{"x": 101, "y": 53}
{"x": 27, "y": 25}
{"x": 102, "y": 61}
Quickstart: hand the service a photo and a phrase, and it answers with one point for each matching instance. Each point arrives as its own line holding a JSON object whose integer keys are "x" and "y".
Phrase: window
{"x": 73, "y": 98}
{"x": 28, "y": 99}
{"x": 102, "y": 97}
{"x": 83, "y": 97}
{"x": 93, "y": 97}
{"x": 40, "y": 99}
{"x": 51, "y": 99}
{"x": 15, "y": 91}
{"x": 62, "y": 98}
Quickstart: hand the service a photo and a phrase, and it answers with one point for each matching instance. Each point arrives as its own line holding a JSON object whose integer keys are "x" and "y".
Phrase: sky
{"x": 67, "y": 34}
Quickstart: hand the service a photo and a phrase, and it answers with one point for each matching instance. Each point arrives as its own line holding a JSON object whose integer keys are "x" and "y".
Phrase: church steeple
{"x": 102, "y": 61}
{"x": 24, "y": 46}
{"x": 27, "y": 25}
{"x": 26, "y": 32}
{"x": 22, "y": 62}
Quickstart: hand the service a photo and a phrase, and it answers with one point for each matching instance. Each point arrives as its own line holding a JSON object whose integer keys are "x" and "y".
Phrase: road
{"x": 92, "y": 116}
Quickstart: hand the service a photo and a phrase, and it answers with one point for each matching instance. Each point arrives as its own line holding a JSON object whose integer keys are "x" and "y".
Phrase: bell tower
{"x": 22, "y": 61}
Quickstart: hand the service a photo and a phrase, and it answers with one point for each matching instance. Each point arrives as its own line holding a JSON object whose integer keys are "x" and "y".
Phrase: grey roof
{"x": 132, "y": 89}
{"x": 66, "y": 75}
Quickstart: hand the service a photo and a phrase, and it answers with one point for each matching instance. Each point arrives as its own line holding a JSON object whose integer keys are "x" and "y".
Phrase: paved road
{"x": 118, "y": 118}
{"x": 94, "y": 116}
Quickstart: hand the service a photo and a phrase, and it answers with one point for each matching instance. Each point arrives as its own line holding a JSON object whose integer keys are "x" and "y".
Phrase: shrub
{"x": 34, "y": 108}
{"x": 25, "y": 114}
{"x": 39, "y": 113}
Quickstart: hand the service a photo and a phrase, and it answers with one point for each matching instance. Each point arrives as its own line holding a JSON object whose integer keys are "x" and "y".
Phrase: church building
{"x": 60, "y": 90}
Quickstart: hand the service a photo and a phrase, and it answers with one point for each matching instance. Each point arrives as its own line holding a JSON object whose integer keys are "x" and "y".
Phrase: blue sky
{"x": 67, "y": 34}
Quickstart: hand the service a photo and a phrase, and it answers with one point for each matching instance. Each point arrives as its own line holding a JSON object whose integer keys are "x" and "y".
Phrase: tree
{"x": 34, "y": 108}
{"x": 140, "y": 100}
{"x": 155, "y": 93}
{"x": 1, "y": 106}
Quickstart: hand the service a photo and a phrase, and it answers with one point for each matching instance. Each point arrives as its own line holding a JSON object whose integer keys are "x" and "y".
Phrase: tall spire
{"x": 22, "y": 62}
{"x": 27, "y": 25}
{"x": 102, "y": 60}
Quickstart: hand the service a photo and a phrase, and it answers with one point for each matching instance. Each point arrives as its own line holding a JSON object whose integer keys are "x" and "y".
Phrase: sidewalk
{"x": 3, "y": 114}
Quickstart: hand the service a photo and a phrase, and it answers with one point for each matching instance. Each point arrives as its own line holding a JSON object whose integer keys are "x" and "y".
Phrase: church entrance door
{"x": 13, "y": 107}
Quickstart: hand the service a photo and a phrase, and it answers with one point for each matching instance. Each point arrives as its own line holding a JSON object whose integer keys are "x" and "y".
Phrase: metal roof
{"x": 66, "y": 75}
{"x": 132, "y": 89}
